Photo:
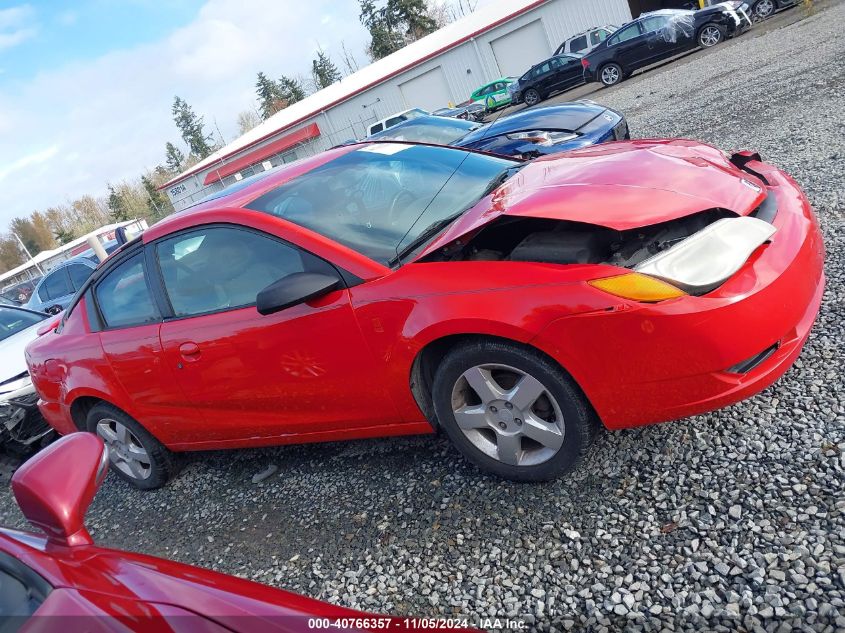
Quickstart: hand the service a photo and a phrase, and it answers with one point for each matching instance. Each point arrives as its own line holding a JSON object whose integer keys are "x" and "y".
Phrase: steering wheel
{"x": 399, "y": 205}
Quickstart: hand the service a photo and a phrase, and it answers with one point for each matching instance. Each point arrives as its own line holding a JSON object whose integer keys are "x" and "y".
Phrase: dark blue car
{"x": 526, "y": 134}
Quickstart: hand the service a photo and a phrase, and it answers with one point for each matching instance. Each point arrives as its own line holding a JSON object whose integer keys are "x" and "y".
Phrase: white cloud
{"x": 28, "y": 160}
{"x": 16, "y": 25}
{"x": 108, "y": 119}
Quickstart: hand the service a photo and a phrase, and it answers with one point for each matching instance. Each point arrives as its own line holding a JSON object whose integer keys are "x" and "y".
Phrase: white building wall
{"x": 465, "y": 67}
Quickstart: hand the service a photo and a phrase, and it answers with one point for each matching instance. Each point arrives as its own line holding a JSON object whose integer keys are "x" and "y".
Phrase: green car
{"x": 494, "y": 95}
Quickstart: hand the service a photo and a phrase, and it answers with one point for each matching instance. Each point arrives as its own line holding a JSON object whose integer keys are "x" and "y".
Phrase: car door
{"x": 127, "y": 319}
{"x": 569, "y": 72}
{"x": 628, "y": 47}
{"x": 664, "y": 37}
{"x": 302, "y": 371}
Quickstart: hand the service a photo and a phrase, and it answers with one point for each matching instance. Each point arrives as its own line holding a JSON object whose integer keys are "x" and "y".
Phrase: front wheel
{"x": 511, "y": 411}
{"x": 710, "y": 35}
{"x": 611, "y": 74}
{"x": 135, "y": 455}
{"x": 531, "y": 97}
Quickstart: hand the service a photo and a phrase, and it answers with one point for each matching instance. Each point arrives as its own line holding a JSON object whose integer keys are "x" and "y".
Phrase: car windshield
{"x": 379, "y": 198}
{"x": 436, "y": 130}
{"x": 13, "y": 321}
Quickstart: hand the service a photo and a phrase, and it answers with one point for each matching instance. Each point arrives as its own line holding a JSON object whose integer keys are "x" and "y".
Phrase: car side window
{"x": 55, "y": 285}
{"x": 578, "y": 44}
{"x": 597, "y": 37}
{"x": 653, "y": 24}
{"x": 226, "y": 268}
{"x": 124, "y": 297}
{"x": 79, "y": 274}
{"x": 378, "y": 127}
{"x": 396, "y": 120}
{"x": 623, "y": 35}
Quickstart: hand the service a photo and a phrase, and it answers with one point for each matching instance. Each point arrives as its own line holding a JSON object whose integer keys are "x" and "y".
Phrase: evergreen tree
{"x": 269, "y": 96}
{"x": 323, "y": 70}
{"x": 291, "y": 90}
{"x": 396, "y": 24}
{"x": 117, "y": 206}
{"x": 174, "y": 158}
{"x": 158, "y": 203}
{"x": 191, "y": 126}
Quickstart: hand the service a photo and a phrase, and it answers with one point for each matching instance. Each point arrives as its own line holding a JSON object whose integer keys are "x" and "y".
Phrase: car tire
{"x": 763, "y": 9}
{"x": 135, "y": 455}
{"x": 611, "y": 74}
{"x": 531, "y": 97}
{"x": 710, "y": 35}
{"x": 535, "y": 436}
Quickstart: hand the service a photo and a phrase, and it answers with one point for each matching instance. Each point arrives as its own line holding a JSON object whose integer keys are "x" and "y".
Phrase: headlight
{"x": 12, "y": 387}
{"x": 541, "y": 137}
{"x": 637, "y": 287}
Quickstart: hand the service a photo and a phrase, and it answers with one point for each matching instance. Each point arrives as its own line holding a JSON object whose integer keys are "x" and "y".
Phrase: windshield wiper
{"x": 500, "y": 178}
{"x": 430, "y": 231}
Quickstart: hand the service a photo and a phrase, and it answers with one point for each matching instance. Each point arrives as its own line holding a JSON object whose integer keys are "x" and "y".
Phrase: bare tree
{"x": 457, "y": 9}
{"x": 247, "y": 120}
{"x": 350, "y": 64}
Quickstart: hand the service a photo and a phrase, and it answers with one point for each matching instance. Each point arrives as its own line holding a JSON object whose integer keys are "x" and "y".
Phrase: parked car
{"x": 56, "y": 288}
{"x": 391, "y": 288}
{"x": 58, "y": 577}
{"x": 762, "y": 9}
{"x": 525, "y": 134}
{"x": 550, "y": 76}
{"x": 656, "y": 36}
{"x": 494, "y": 95}
{"x": 22, "y": 427}
{"x": 467, "y": 112}
{"x": 585, "y": 41}
{"x": 20, "y": 293}
{"x": 395, "y": 119}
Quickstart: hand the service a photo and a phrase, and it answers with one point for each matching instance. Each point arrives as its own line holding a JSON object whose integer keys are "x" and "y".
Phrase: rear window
{"x": 55, "y": 285}
{"x": 13, "y": 321}
{"x": 578, "y": 44}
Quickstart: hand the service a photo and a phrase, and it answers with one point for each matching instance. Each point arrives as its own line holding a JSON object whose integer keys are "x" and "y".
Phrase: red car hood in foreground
{"x": 620, "y": 186}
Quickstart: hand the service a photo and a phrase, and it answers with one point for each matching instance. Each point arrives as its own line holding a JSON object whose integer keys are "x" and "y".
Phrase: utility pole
{"x": 26, "y": 250}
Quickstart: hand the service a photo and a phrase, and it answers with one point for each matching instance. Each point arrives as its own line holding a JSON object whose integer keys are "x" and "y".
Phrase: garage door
{"x": 428, "y": 91}
{"x": 519, "y": 50}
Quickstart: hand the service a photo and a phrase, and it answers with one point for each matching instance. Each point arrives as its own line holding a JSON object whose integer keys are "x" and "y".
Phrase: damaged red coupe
{"x": 389, "y": 288}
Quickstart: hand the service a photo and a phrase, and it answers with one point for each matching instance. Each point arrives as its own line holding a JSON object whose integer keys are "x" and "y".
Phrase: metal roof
{"x": 378, "y": 72}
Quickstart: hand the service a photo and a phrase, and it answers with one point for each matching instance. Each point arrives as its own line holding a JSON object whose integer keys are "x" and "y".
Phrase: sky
{"x": 86, "y": 87}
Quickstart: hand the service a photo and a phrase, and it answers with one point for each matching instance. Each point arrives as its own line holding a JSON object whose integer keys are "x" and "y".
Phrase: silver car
{"x": 57, "y": 287}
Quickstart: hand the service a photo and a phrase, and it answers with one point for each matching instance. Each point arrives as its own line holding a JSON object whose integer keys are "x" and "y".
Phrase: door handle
{"x": 189, "y": 351}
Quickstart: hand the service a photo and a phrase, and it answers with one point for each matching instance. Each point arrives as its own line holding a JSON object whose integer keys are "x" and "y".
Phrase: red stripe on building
{"x": 279, "y": 145}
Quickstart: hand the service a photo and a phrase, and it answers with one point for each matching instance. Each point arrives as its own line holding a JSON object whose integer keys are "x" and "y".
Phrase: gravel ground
{"x": 729, "y": 521}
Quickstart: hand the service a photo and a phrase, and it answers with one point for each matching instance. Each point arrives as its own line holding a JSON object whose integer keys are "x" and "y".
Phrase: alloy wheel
{"x": 710, "y": 36}
{"x": 532, "y": 97}
{"x": 764, "y": 9}
{"x": 508, "y": 414}
{"x": 125, "y": 450}
{"x": 610, "y": 75}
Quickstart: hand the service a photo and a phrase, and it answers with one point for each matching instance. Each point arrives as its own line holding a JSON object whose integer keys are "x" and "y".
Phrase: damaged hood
{"x": 620, "y": 186}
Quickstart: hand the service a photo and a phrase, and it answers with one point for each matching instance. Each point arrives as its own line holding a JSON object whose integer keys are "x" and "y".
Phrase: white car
{"x": 586, "y": 41}
{"x": 22, "y": 429}
{"x": 395, "y": 119}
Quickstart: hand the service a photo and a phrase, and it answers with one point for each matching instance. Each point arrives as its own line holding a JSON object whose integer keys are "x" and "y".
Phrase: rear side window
{"x": 55, "y": 285}
{"x": 378, "y": 127}
{"x": 79, "y": 274}
{"x": 124, "y": 297}
{"x": 597, "y": 37}
{"x": 578, "y": 44}
{"x": 622, "y": 35}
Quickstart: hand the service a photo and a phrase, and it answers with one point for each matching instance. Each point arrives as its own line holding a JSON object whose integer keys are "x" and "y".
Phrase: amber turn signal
{"x": 637, "y": 287}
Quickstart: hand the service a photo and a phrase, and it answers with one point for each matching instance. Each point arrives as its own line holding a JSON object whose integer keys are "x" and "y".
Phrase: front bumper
{"x": 645, "y": 363}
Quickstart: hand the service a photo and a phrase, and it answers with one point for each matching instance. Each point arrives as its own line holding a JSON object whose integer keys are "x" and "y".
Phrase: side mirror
{"x": 293, "y": 290}
{"x": 55, "y": 487}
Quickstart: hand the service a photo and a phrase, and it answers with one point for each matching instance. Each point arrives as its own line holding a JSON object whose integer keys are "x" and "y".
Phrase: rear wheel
{"x": 531, "y": 97}
{"x": 610, "y": 74}
{"x": 763, "y": 9}
{"x": 710, "y": 35}
{"x": 135, "y": 455}
{"x": 511, "y": 411}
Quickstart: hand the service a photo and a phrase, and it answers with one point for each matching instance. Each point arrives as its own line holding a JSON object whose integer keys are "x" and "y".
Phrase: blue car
{"x": 526, "y": 134}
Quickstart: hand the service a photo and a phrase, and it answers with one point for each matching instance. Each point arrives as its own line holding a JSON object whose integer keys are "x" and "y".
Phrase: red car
{"x": 389, "y": 288}
{"x": 58, "y": 580}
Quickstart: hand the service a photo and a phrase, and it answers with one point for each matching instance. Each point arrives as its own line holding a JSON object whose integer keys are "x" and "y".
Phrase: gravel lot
{"x": 733, "y": 520}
